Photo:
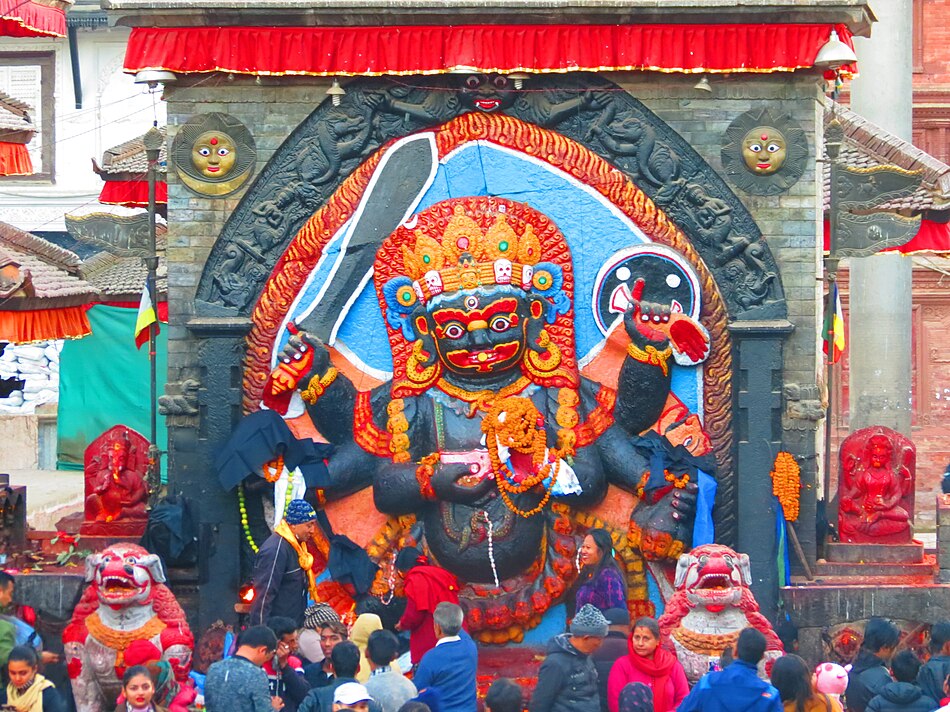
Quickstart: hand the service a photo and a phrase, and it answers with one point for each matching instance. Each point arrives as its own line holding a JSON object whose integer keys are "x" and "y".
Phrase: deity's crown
{"x": 477, "y": 245}
{"x": 468, "y": 256}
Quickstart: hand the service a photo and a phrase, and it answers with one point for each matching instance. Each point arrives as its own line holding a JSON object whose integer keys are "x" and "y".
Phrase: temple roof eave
{"x": 855, "y": 14}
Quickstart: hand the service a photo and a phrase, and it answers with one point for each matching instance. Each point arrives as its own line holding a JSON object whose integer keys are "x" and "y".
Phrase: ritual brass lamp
{"x": 153, "y": 141}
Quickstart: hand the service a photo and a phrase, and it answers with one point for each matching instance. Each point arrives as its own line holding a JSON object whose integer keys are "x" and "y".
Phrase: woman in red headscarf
{"x": 426, "y": 586}
{"x": 648, "y": 663}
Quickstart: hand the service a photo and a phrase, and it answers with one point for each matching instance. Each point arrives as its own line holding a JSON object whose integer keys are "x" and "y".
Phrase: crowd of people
{"x": 602, "y": 663}
{"x": 297, "y": 657}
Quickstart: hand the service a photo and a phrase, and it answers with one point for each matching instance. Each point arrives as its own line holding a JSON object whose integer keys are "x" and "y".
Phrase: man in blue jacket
{"x": 450, "y": 666}
{"x": 738, "y": 688}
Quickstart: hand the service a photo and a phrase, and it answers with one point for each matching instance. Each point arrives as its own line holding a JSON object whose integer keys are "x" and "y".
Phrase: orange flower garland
{"x": 786, "y": 484}
{"x": 516, "y": 423}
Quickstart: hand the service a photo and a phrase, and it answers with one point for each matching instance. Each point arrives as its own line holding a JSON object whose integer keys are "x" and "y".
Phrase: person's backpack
{"x": 172, "y": 532}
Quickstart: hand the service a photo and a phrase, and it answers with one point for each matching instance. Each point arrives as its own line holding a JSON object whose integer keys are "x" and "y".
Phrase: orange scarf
{"x": 303, "y": 556}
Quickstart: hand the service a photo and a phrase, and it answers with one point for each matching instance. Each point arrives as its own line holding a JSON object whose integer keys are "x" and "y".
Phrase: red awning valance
{"x": 932, "y": 238}
{"x": 28, "y": 326}
{"x": 25, "y": 18}
{"x": 15, "y": 160}
{"x": 351, "y": 51}
{"x": 132, "y": 193}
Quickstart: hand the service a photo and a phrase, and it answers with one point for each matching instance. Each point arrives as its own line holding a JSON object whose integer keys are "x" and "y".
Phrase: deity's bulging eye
{"x": 755, "y": 148}
{"x": 473, "y": 82}
{"x": 500, "y": 323}
{"x": 204, "y": 151}
{"x": 223, "y": 151}
{"x": 453, "y": 331}
{"x": 500, "y": 82}
{"x": 773, "y": 147}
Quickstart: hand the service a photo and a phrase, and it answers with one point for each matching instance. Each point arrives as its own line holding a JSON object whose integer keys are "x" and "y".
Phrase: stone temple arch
{"x": 323, "y": 156}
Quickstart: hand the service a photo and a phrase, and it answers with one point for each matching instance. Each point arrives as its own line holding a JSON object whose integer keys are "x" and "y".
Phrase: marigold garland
{"x": 424, "y": 475}
{"x": 516, "y": 423}
{"x": 273, "y": 469}
{"x": 786, "y": 484}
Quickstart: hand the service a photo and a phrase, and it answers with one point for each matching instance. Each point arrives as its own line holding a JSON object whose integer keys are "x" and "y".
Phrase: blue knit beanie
{"x": 299, "y": 511}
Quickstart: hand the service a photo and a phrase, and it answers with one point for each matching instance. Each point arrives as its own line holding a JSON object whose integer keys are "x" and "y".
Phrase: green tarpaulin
{"x": 104, "y": 381}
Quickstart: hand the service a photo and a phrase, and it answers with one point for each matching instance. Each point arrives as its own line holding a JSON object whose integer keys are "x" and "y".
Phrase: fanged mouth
{"x": 487, "y": 104}
{"x": 115, "y": 585}
{"x": 713, "y": 582}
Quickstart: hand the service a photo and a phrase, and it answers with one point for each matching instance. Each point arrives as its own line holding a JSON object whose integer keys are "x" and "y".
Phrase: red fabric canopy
{"x": 132, "y": 193}
{"x": 25, "y": 18}
{"x": 15, "y": 160}
{"x": 29, "y": 326}
{"x": 931, "y": 238}
{"x": 326, "y": 51}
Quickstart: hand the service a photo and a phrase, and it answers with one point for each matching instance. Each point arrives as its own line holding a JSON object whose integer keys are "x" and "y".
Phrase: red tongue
{"x": 715, "y": 609}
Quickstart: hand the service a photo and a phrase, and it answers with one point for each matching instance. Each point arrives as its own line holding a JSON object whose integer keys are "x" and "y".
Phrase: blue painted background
{"x": 594, "y": 230}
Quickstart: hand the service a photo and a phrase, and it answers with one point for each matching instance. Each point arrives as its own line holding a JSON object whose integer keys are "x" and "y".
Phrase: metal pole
{"x": 153, "y": 141}
{"x": 153, "y": 297}
{"x": 831, "y": 269}
{"x": 834, "y": 135}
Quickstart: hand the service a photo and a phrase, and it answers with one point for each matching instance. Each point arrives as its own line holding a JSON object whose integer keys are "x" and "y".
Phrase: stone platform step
{"x": 839, "y": 552}
{"x": 827, "y": 580}
{"x": 870, "y": 571}
{"x": 821, "y": 605}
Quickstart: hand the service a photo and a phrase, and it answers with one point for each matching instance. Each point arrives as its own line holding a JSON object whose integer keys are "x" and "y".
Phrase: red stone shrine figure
{"x": 876, "y": 487}
{"x": 115, "y": 465}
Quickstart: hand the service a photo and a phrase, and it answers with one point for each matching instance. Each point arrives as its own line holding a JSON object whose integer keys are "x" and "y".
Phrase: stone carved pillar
{"x": 757, "y": 359}
{"x": 191, "y": 463}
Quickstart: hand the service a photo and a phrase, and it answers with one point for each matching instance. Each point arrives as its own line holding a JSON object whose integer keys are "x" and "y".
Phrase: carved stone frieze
{"x": 804, "y": 407}
{"x": 180, "y": 403}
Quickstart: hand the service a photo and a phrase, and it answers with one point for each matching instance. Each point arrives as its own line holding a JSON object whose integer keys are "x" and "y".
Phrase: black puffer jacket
{"x": 567, "y": 680}
{"x": 867, "y": 678}
{"x": 903, "y": 696}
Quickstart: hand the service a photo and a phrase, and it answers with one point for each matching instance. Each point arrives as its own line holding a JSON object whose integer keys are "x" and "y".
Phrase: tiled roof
{"x": 128, "y": 159}
{"x": 14, "y": 115}
{"x": 54, "y": 271}
{"x": 866, "y": 144}
{"x": 119, "y": 278}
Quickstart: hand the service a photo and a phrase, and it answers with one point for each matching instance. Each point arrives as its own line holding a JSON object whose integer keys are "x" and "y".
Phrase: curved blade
{"x": 402, "y": 177}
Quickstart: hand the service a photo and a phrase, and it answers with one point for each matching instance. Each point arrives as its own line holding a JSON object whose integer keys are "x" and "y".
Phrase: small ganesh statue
{"x": 876, "y": 487}
{"x": 116, "y": 492}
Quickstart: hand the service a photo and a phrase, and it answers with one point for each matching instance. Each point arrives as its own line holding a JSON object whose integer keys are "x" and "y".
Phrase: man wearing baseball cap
{"x": 283, "y": 573}
{"x": 351, "y": 696}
